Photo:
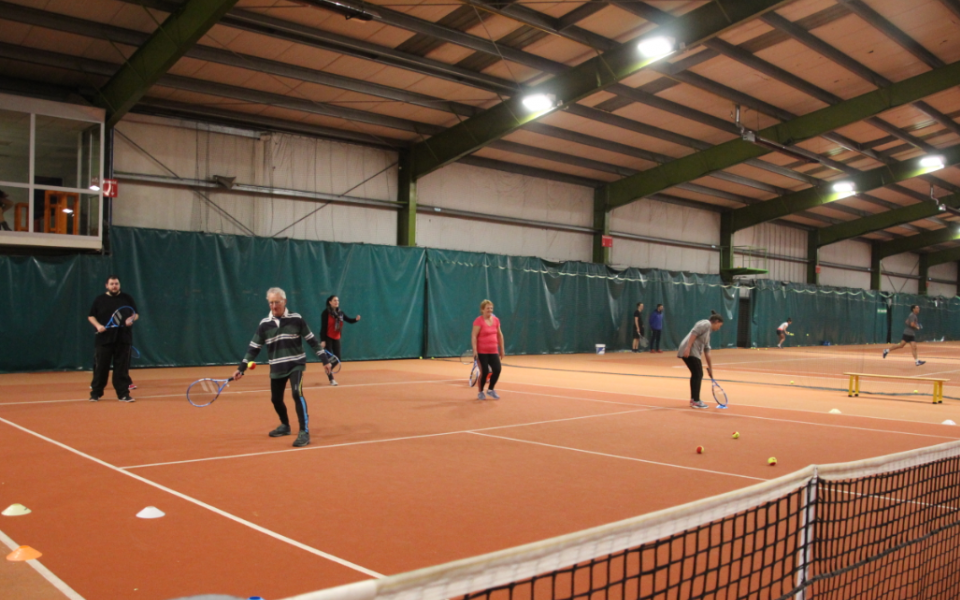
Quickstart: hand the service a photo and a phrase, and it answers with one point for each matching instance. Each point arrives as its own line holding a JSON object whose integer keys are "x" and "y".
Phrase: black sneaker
{"x": 303, "y": 439}
{"x": 126, "y": 398}
{"x": 921, "y": 362}
{"x": 280, "y": 431}
{"x": 94, "y": 398}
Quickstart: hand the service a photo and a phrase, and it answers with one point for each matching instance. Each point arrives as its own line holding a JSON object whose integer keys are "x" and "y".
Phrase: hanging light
{"x": 94, "y": 184}
{"x": 655, "y": 47}
{"x": 69, "y": 211}
{"x": 539, "y": 102}
{"x": 844, "y": 187}
{"x": 933, "y": 163}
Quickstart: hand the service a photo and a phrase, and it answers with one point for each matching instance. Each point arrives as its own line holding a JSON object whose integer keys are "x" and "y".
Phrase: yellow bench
{"x": 854, "y": 388}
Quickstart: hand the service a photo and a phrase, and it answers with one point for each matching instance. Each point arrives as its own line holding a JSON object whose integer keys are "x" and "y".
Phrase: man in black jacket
{"x": 113, "y": 340}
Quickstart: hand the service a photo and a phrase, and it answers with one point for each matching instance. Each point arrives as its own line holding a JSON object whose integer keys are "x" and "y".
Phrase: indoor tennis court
{"x": 407, "y": 470}
{"x": 479, "y": 299}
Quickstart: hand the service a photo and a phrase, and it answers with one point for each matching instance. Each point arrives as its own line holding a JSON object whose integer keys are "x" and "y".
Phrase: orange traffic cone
{"x": 23, "y": 553}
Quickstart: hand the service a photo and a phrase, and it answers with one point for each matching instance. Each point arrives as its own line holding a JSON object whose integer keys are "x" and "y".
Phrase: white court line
{"x": 202, "y": 504}
{"x": 649, "y": 462}
{"x": 225, "y": 393}
{"x": 398, "y": 439}
{"x": 44, "y": 572}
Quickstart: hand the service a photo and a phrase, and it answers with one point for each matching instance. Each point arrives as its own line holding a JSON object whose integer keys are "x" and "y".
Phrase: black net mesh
{"x": 894, "y": 535}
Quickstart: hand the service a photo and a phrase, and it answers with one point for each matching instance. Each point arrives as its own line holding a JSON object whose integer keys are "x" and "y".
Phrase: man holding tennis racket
{"x": 283, "y": 333}
{"x": 694, "y": 347}
{"x": 112, "y": 315}
{"x": 912, "y": 326}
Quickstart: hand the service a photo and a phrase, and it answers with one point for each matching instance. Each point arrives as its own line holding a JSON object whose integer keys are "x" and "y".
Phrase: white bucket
{"x": 601, "y": 348}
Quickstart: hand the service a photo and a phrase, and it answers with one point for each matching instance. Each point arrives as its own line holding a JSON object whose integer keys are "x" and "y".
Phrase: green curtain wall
{"x": 939, "y": 317}
{"x": 835, "y": 315}
{"x": 201, "y": 296}
{"x": 547, "y": 308}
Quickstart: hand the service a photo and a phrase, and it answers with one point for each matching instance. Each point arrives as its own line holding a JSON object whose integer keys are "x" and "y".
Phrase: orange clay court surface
{"x": 407, "y": 469}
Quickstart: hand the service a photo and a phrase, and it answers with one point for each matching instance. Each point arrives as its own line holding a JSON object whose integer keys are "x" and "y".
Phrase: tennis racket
{"x": 120, "y": 316}
{"x": 719, "y": 395}
{"x": 134, "y": 353}
{"x": 335, "y": 363}
{"x": 644, "y": 342}
{"x": 467, "y": 357}
{"x": 474, "y": 373}
{"x": 203, "y": 392}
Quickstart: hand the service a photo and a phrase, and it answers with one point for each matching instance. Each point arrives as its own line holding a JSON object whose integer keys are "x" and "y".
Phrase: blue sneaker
{"x": 493, "y": 395}
{"x": 480, "y": 396}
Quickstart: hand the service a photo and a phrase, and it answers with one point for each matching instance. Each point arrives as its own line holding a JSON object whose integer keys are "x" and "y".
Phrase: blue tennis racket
{"x": 134, "y": 353}
{"x": 203, "y": 392}
{"x": 120, "y": 316}
{"x": 335, "y": 363}
{"x": 719, "y": 396}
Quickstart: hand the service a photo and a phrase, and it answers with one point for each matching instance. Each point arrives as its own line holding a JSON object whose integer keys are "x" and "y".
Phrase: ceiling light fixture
{"x": 844, "y": 187}
{"x": 656, "y": 47}
{"x": 539, "y": 102}
{"x": 94, "y": 185}
{"x": 932, "y": 162}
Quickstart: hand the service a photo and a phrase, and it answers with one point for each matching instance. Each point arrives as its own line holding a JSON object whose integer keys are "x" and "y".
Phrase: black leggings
{"x": 296, "y": 388}
{"x": 655, "y": 339}
{"x": 488, "y": 363}
{"x": 119, "y": 355}
{"x": 332, "y": 346}
{"x": 696, "y": 375}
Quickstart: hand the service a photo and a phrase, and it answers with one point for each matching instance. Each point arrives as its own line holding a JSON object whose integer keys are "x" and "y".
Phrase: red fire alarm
{"x": 606, "y": 241}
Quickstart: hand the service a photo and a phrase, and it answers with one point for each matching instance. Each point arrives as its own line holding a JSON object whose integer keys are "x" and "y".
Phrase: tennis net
{"x": 881, "y": 528}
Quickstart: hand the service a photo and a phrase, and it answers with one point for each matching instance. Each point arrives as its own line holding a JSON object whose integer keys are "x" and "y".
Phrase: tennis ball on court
{"x": 736, "y": 435}
{"x": 915, "y": 392}
{"x": 699, "y": 449}
{"x": 421, "y": 358}
{"x": 791, "y": 383}
{"x": 772, "y": 461}
{"x": 251, "y": 365}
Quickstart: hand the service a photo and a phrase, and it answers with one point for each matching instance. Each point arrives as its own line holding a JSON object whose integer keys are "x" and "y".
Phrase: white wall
{"x": 908, "y": 264}
{"x": 947, "y": 271}
{"x": 479, "y": 190}
{"x": 665, "y": 221}
{"x": 146, "y": 145}
{"x": 847, "y": 252}
{"x": 777, "y": 240}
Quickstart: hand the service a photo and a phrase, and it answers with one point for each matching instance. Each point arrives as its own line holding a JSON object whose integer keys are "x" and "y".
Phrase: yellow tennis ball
{"x": 736, "y": 435}
{"x": 772, "y": 461}
{"x": 915, "y": 392}
{"x": 791, "y": 383}
{"x": 421, "y": 358}
{"x": 251, "y": 365}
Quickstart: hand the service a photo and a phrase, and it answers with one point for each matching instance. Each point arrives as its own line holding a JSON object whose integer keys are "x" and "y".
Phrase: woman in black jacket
{"x": 331, "y": 324}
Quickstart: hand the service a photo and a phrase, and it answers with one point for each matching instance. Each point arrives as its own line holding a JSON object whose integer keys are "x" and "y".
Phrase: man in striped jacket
{"x": 283, "y": 333}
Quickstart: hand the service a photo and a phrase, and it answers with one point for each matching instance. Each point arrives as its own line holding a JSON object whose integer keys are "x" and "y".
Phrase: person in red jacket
{"x": 331, "y": 326}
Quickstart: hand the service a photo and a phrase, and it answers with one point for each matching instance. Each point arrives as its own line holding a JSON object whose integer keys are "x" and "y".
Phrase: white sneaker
{"x": 333, "y": 382}
{"x": 493, "y": 395}
{"x": 697, "y": 404}
{"x": 886, "y": 351}
{"x": 480, "y": 396}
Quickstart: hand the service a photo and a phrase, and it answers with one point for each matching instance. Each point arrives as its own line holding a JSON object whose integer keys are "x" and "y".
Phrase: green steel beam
{"x": 407, "y": 196}
{"x": 924, "y": 274}
{"x": 950, "y": 233}
{"x": 761, "y": 212}
{"x": 808, "y": 126}
{"x": 576, "y": 83}
{"x": 726, "y": 246}
{"x": 891, "y": 218}
{"x": 813, "y": 257}
{"x": 601, "y": 225}
{"x": 945, "y": 256}
{"x": 172, "y": 39}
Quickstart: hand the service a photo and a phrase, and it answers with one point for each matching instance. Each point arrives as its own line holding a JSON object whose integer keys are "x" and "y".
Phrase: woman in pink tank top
{"x": 488, "y": 348}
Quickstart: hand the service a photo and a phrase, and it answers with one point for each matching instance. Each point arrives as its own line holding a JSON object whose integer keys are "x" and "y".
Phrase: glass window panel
{"x": 61, "y": 146}
{"x": 14, "y": 146}
{"x": 66, "y": 213}
{"x": 17, "y": 201}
